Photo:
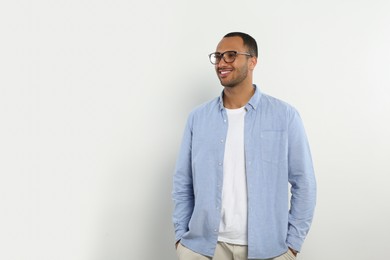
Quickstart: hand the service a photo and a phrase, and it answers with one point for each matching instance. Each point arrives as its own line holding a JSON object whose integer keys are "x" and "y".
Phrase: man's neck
{"x": 238, "y": 96}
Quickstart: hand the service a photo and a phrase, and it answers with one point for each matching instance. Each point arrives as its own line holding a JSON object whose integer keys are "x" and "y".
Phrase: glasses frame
{"x": 222, "y": 56}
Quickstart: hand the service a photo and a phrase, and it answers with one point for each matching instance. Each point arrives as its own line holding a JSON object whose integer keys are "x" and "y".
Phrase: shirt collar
{"x": 253, "y": 103}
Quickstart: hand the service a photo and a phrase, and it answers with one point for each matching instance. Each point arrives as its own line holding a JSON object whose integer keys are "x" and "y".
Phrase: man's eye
{"x": 230, "y": 55}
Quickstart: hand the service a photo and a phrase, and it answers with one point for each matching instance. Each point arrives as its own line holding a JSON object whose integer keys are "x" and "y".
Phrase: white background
{"x": 94, "y": 96}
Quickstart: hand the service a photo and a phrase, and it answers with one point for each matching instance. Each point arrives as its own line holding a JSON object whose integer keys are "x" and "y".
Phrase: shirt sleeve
{"x": 303, "y": 183}
{"x": 183, "y": 194}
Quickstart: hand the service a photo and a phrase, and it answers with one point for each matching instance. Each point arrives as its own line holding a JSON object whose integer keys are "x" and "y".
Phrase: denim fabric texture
{"x": 276, "y": 153}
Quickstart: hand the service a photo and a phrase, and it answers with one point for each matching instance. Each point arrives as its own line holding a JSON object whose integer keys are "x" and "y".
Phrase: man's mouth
{"x": 224, "y": 72}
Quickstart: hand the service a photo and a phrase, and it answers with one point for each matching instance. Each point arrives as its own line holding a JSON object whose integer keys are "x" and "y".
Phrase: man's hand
{"x": 293, "y": 251}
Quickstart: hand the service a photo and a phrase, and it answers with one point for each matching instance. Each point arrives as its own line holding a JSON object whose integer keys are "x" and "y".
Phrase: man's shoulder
{"x": 271, "y": 102}
{"x": 206, "y": 107}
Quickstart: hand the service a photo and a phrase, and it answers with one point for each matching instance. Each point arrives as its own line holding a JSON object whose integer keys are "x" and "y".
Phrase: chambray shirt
{"x": 276, "y": 153}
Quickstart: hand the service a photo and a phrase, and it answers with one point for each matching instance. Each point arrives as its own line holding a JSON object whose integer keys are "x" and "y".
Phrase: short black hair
{"x": 249, "y": 41}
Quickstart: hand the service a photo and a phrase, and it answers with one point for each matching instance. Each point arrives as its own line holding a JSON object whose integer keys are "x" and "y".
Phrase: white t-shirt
{"x": 233, "y": 225}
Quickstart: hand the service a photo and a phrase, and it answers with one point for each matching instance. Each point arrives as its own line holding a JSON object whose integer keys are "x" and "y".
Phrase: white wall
{"x": 94, "y": 96}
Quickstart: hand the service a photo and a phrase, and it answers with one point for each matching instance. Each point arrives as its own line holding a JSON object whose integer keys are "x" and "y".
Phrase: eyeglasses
{"x": 227, "y": 56}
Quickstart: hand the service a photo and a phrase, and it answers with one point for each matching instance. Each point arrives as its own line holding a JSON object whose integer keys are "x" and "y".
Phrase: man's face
{"x": 236, "y": 72}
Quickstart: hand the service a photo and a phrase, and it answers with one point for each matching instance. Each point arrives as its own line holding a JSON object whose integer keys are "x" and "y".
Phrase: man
{"x": 238, "y": 155}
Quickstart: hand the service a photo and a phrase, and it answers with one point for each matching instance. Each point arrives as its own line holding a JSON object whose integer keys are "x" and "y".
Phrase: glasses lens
{"x": 229, "y": 56}
{"x": 215, "y": 58}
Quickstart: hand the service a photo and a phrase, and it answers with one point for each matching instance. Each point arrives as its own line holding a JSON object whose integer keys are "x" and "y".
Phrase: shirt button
{"x": 219, "y": 163}
{"x": 221, "y": 140}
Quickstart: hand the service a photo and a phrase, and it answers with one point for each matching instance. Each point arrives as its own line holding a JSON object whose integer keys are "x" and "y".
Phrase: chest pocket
{"x": 273, "y": 146}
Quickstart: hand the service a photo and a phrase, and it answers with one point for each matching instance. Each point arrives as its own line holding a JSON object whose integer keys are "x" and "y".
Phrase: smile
{"x": 224, "y": 72}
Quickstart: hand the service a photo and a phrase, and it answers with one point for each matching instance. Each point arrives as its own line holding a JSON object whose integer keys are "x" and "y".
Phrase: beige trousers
{"x": 225, "y": 251}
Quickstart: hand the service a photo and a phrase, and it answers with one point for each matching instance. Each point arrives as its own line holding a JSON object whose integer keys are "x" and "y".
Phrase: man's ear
{"x": 252, "y": 63}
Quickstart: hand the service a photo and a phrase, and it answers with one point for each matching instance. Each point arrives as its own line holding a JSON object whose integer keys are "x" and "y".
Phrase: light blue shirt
{"x": 276, "y": 153}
